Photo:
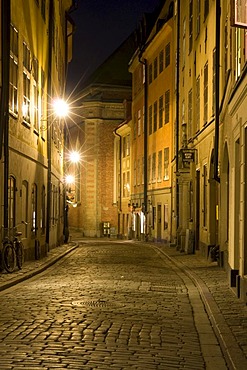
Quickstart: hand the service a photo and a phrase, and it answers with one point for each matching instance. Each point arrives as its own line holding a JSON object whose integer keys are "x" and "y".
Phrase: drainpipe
{"x": 4, "y": 101}
{"x": 217, "y": 78}
{"x": 177, "y": 112}
{"x": 49, "y": 89}
{"x": 145, "y": 146}
{"x": 120, "y": 179}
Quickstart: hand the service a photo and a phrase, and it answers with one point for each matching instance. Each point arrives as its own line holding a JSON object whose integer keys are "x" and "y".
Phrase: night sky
{"x": 101, "y": 26}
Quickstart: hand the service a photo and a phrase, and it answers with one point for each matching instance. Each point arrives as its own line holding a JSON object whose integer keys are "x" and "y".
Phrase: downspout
{"x": 177, "y": 113}
{"x": 49, "y": 89}
{"x": 145, "y": 145}
{"x": 6, "y": 17}
{"x": 120, "y": 179}
{"x": 217, "y": 79}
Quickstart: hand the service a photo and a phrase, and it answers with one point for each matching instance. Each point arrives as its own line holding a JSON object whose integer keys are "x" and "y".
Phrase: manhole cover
{"x": 92, "y": 303}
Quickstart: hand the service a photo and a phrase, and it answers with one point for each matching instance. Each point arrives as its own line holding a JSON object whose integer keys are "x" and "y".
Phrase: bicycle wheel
{"x": 19, "y": 254}
{"x": 9, "y": 257}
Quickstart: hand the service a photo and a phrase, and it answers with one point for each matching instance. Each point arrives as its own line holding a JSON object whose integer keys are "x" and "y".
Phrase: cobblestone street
{"x": 108, "y": 304}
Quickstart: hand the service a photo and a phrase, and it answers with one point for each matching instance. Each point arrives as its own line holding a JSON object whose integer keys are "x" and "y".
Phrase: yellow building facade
{"x": 152, "y": 129}
{"x": 33, "y": 149}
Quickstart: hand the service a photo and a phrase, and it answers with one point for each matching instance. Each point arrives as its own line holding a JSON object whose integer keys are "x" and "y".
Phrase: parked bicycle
{"x": 12, "y": 250}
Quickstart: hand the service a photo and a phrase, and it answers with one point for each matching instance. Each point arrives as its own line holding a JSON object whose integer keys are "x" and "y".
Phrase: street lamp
{"x": 61, "y": 108}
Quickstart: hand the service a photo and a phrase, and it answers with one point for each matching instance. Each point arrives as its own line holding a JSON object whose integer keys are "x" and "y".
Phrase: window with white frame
{"x": 198, "y": 107}
{"x": 139, "y": 122}
{"x": 154, "y": 167}
{"x": 155, "y": 68}
{"x": 160, "y": 165}
{"x": 190, "y": 114}
{"x": 166, "y": 163}
{"x": 150, "y": 119}
{"x": 161, "y": 109}
{"x": 13, "y": 70}
{"x": 155, "y": 116}
{"x": 35, "y": 68}
{"x": 167, "y": 106}
{"x": 167, "y": 54}
{"x": 161, "y": 61}
{"x": 26, "y": 84}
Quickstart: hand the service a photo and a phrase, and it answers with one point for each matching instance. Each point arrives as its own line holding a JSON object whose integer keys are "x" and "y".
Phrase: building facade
{"x": 153, "y": 94}
{"x": 36, "y": 57}
{"x": 212, "y": 125}
{"x": 101, "y": 108}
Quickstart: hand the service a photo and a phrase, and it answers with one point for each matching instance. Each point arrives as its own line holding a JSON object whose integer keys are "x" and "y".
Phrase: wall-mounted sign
{"x": 187, "y": 155}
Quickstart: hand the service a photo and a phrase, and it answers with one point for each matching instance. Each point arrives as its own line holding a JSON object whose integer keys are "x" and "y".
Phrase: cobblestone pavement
{"x": 118, "y": 305}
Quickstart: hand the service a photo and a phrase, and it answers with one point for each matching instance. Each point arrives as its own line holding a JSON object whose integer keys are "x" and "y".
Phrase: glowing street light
{"x": 69, "y": 179}
{"x": 74, "y": 157}
{"x": 61, "y": 108}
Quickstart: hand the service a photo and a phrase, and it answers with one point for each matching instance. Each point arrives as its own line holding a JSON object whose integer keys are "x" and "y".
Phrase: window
{"x": 198, "y": 16}
{"x": 161, "y": 61}
{"x": 35, "y": 67}
{"x": 160, "y": 165}
{"x": 190, "y": 114}
{"x": 154, "y": 167}
{"x": 155, "y": 116}
{"x": 43, "y": 101}
{"x": 139, "y": 122}
{"x": 167, "y": 54}
{"x": 26, "y": 84}
{"x": 11, "y": 201}
{"x": 161, "y": 109}
{"x": 155, "y": 68}
{"x": 206, "y": 8}
{"x": 138, "y": 171}
{"x": 34, "y": 210}
{"x": 127, "y": 145}
{"x": 13, "y": 71}
{"x": 190, "y": 25}
{"x": 184, "y": 43}
{"x": 135, "y": 172}
{"x": 167, "y": 106}
{"x": 238, "y": 53}
{"x": 150, "y": 119}
{"x": 198, "y": 117}
{"x": 150, "y": 73}
{"x": 43, "y": 7}
{"x": 214, "y": 81}
{"x": 134, "y": 125}
{"x": 205, "y": 93}
{"x": 166, "y": 164}
{"x": 149, "y": 169}
{"x": 124, "y": 185}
